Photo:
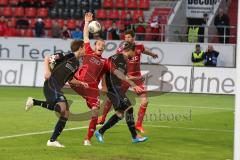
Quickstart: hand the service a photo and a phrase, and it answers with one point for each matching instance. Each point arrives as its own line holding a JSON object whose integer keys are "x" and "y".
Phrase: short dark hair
{"x": 76, "y": 44}
{"x": 130, "y": 31}
{"x": 126, "y": 46}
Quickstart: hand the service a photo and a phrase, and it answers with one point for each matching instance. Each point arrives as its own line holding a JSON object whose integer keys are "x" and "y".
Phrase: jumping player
{"x": 118, "y": 98}
{"x": 133, "y": 71}
{"x": 94, "y": 66}
{"x": 63, "y": 71}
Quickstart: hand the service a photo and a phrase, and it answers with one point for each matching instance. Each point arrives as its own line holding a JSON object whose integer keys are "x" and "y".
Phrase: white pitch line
{"x": 84, "y": 127}
{"x": 39, "y": 133}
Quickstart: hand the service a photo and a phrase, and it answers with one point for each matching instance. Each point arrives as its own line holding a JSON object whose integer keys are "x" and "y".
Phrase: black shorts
{"x": 119, "y": 100}
{"x": 52, "y": 94}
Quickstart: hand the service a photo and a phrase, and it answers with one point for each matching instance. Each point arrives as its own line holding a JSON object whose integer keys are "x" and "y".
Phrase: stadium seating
{"x": 42, "y": 12}
{"x": 3, "y": 2}
{"x": 7, "y": 11}
{"x": 19, "y": 12}
{"x": 48, "y": 23}
{"x": 108, "y": 4}
{"x": 30, "y": 12}
{"x": 120, "y": 4}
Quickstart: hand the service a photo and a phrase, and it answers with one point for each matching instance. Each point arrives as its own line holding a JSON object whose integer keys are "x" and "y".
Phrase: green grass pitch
{"x": 179, "y": 127}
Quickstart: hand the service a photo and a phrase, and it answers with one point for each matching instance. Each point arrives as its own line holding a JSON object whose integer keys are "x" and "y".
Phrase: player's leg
{"x": 109, "y": 124}
{"x": 106, "y": 108}
{"x": 131, "y": 126}
{"x": 64, "y": 114}
{"x": 108, "y": 104}
{"x": 142, "y": 110}
{"x": 93, "y": 102}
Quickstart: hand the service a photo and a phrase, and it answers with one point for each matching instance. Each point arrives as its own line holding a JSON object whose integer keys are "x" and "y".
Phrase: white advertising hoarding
{"x": 17, "y": 73}
{"x": 169, "y": 53}
{"x": 213, "y": 80}
{"x": 163, "y": 78}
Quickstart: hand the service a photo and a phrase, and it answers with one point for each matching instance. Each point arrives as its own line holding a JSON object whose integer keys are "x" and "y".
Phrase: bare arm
{"x": 47, "y": 70}
{"x": 88, "y": 19}
{"x": 123, "y": 77}
{"x": 78, "y": 83}
{"x": 150, "y": 53}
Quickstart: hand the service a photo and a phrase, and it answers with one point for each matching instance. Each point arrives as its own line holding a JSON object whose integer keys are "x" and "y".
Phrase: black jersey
{"x": 64, "y": 69}
{"x": 115, "y": 94}
{"x": 119, "y": 62}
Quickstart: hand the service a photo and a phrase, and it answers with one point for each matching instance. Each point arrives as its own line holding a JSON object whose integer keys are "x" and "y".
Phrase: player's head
{"x": 77, "y": 46}
{"x": 128, "y": 48}
{"x": 129, "y": 35}
{"x": 99, "y": 46}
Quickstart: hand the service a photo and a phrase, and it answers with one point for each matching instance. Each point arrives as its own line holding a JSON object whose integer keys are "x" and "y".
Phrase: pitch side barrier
{"x": 159, "y": 78}
{"x": 169, "y": 53}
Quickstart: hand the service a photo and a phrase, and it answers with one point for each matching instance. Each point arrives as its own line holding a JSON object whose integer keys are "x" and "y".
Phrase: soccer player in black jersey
{"x": 118, "y": 98}
{"x": 62, "y": 72}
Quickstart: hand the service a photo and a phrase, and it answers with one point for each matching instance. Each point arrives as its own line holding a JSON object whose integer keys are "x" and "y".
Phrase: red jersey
{"x": 134, "y": 63}
{"x": 93, "y": 67}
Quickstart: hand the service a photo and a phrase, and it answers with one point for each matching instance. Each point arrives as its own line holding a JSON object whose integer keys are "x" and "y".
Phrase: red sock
{"x": 107, "y": 107}
{"x": 141, "y": 114}
{"x": 92, "y": 127}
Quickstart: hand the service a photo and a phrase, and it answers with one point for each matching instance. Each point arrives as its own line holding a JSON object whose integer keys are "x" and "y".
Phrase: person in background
{"x": 198, "y": 56}
{"x": 155, "y": 28}
{"x": 3, "y": 25}
{"x": 211, "y": 57}
{"x": 140, "y": 29}
{"x": 65, "y": 32}
{"x": 77, "y": 34}
{"x": 128, "y": 21}
{"x": 222, "y": 24}
{"x": 10, "y": 31}
{"x": 114, "y": 31}
{"x": 103, "y": 33}
{"x": 202, "y": 28}
{"x": 56, "y": 29}
{"x": 39, "y": 28}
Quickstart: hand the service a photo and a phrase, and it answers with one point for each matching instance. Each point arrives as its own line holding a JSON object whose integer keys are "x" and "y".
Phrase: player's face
{"x": 80, "y": 52}
{"x": 99, "y": 47}
{"x": 129, "y": 38}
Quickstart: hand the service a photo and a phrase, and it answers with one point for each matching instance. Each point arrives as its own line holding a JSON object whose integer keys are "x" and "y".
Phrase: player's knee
{"x": 144, "y": 102}
{"x": 95, "y": 111}
{"x": 120, "y": 114}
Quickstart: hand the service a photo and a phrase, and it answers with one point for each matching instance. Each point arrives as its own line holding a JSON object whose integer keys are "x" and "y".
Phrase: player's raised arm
{"x": 47, "y": 70}
{"x": 88, "y": 19}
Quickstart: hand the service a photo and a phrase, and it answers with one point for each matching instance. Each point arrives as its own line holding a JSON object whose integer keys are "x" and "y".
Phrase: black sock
{"x": 111, "y": 122}
{"x": 58, "y": 128}
{"x": 44, "y": 104}
{"x": 130, "y": 122}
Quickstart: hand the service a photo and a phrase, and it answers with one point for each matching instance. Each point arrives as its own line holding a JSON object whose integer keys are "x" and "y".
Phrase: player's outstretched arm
{"x": 150, "y": 53}
{"x": 88, "y": 19}
{"x": 47, "y": 70}
{"x": 78, "y": 83}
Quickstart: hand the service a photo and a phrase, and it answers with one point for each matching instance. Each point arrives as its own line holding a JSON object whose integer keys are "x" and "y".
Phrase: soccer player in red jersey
{"x": 133, "y": 71}
{"x": 93, "y": 67}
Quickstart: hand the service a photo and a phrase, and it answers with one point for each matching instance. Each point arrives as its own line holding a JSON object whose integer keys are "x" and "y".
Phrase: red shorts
{"x": 91, "y": 95}
{"x": 139, "y": 83}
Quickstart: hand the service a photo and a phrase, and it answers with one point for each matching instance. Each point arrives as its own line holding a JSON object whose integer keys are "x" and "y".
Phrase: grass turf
{"x": 179, "y": 127}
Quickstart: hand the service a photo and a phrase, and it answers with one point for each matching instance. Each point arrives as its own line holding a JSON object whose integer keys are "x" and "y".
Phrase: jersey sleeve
{"x": 88, "y": 49}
